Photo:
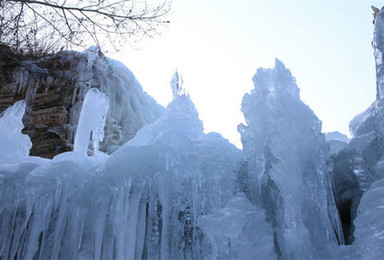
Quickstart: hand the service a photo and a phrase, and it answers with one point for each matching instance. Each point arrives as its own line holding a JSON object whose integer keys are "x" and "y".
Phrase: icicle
{"x": 13, "y": 144}
{"x": 91, "y": 121}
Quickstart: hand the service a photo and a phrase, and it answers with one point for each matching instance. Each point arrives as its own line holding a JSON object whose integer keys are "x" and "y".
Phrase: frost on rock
{"x": 287, "y": 166}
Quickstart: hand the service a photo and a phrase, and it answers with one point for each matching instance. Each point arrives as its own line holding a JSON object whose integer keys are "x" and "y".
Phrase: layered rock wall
{"x": 54, "y": 88}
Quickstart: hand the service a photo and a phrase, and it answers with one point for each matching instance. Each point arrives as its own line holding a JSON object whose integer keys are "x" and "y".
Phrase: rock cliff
{"x": 54, "y": 88}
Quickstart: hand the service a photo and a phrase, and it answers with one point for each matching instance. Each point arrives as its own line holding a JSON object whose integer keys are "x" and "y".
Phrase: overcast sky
{"x": 217, "y": 46}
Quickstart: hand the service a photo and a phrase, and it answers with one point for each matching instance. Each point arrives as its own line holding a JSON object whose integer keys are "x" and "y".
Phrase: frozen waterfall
{"x": 152, "y": 198}
{"x": 175, "y": 192}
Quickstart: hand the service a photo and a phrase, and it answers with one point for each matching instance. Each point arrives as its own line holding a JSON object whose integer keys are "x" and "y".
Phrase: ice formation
{"x": 14, "y": 145}
{"x": 152, "y": 198}
{"x": 336, "y": 141}
{"x": 359, "y": 169}
{"x": 177, "y": 85}
{"x": 369, "y": 225}
{"x": 130, "y": 108}
{"x": 174, "y": 192}
{"x": 378, "y": 48}
{"x": 288, "y": 171}
{"x": 91, "y": 121}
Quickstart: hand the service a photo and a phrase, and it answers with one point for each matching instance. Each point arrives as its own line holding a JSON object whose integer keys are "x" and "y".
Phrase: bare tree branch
{"x": 27, "y": 24}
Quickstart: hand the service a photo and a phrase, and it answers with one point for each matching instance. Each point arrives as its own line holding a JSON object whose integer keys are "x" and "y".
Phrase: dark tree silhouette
{"x": 51, "y": 25}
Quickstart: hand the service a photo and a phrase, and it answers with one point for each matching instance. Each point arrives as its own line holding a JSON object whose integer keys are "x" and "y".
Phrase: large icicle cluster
{"x": 171, "y": 192}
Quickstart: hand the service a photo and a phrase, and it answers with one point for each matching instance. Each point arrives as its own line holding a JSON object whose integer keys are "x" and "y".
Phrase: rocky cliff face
{"x": 54, "y": 88}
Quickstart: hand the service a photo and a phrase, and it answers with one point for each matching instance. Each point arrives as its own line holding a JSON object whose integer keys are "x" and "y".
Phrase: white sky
{"x": 217, "y": 46}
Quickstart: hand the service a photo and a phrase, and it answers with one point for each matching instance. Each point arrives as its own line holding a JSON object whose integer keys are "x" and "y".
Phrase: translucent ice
{"x": 172, "y": 192}
{"x": 13, "y": 144}
{"x": 177, "y": 85}
{"x": 91, "y": 122}
{"x": 287, "y": 161}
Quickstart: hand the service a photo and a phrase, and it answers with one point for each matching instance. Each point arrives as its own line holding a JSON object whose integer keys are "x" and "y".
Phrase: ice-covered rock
{"x": 367, "y": 128}
{"x": 359, "y": 168}
{"x": 345, "y": 185}
{"x": 369, "y": 224}
{"x": 336, "y": 136}
{"x": 361, "y": 163}
{"x": 288, "y": 167}
{"x": 54, "y": 88}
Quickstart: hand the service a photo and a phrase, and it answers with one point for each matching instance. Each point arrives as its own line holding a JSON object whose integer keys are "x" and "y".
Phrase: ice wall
{"x": 287, "y": 160}
{"x": 172, "y": 192}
